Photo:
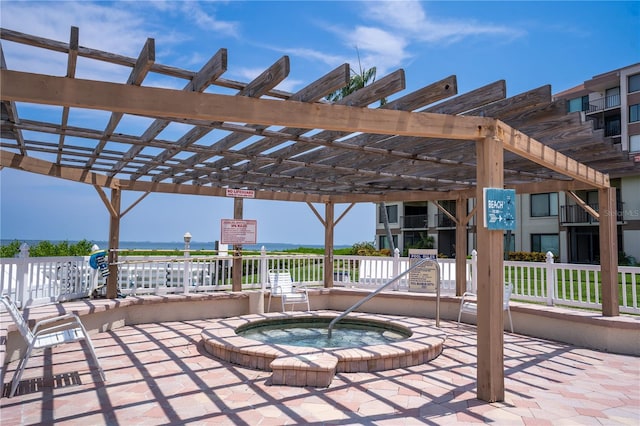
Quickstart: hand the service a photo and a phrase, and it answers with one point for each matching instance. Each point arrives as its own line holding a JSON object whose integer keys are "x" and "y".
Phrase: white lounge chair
{"x": 283, "y": 287}
{"x": 468, "y": 306}
{"x": 47, "y": 333}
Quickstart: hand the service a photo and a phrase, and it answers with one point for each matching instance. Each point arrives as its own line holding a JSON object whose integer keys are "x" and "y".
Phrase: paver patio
{"x": 160, "y": 374}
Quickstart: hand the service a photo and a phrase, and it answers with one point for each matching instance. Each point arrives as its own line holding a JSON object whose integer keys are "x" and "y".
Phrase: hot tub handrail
{"x": 385, "y": 285}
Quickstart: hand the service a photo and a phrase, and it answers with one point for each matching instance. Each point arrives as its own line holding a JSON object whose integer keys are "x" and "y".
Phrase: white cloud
{"x": 377, "y": 48}
{"x": 398, "y": 26}
{"x": 248, "y": 74}
{"x": 409, "y": 18}
{"x": 314, "y": 55}
{"x": 208, "y": 21}
{"x": 102, "y": 27}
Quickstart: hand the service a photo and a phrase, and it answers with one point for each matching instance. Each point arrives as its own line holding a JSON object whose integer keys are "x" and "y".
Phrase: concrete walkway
{"x": 158, "y": 374}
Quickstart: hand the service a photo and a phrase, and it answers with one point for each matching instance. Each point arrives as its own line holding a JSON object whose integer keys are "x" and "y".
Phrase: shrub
{"x": 49, "y": 249}
{"x": 525, "y": 256}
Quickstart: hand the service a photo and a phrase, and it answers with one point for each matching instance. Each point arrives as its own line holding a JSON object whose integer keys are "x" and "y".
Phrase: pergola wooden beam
{"x": 37, "y": 88}
{"x": 174, "y": 105}
{"x": 527, "y": 147}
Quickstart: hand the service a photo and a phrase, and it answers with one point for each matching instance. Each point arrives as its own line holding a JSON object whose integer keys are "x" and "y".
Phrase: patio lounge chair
{"x": 283, "y": 286}
{"x": 47, "y": 333}
{"x": 471, "y": 307}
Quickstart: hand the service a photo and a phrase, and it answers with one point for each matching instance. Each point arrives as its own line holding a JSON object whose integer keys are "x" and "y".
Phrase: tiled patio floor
{"x": 158, "y": 374}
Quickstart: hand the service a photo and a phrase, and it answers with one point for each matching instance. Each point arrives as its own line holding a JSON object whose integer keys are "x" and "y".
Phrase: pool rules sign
{"x": 425, "y": 277}
{"x": 499, "y": 209}
{"x": 238, "y": 232}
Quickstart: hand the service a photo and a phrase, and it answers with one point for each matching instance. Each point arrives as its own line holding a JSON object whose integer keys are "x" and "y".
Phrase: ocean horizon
{"x": 177, "y": 245}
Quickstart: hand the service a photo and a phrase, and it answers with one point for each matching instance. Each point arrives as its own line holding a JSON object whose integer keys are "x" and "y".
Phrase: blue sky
{"x": 528, "y": 44}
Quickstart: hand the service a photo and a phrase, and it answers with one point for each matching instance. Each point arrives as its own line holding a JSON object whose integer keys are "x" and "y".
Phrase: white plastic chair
{"x": 47, "y": 333}
{"x": 471, "y": 306}
{"x": 283, "y": 286}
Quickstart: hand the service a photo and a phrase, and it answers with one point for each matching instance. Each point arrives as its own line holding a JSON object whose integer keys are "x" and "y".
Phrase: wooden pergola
{"x": 428, "y": 145}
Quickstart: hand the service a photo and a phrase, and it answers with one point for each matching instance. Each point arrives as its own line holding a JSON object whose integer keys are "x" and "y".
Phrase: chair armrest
{"x": 69, "y": 319}
{"x": 468, "y": 294}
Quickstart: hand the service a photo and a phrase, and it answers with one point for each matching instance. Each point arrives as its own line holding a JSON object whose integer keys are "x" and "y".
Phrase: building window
{"x": 634, "y": 113}
{"x": 634, "y": 143}
{"x": 578, "y": 104}
{"x": 392, "y": 213}
{"x": 544, "y": 204}
{"x": 612, "y": 126}
{"x": 545, "y": 242}
{"x": 634, "y": 83}
{"x": 383, "y": 242}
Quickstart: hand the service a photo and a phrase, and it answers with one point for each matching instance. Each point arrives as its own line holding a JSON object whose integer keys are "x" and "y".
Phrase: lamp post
{"x": 187, "y": 243}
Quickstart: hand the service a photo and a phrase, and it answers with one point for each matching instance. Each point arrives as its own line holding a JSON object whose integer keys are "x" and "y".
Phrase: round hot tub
{"x": 313, "y": 332}
{"x": 374, "y": 342}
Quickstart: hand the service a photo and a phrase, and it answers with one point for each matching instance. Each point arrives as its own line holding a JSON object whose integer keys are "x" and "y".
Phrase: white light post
{"x": 187, "y": 242}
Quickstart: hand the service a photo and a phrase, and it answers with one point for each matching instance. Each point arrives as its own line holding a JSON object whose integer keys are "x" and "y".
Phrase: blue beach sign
{"x": 500, "y": 209}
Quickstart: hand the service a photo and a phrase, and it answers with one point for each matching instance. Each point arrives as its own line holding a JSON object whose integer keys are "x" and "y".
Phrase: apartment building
{"x": 552, "y": 221}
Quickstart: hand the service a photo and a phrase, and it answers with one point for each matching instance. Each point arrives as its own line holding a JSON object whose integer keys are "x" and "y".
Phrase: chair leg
{"x": 510, "y": 320}
{"x": 92, "y": 351}
{"x": 94, "y": 357}
{"x": 17, "y": 375}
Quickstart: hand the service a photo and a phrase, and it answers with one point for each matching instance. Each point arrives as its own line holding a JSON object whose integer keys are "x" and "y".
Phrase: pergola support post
{"x": 328, "y": 243}
{"x": 609, "y": 251}
{"x": 490, "y": 270}
{"x": 236, "y": 271}
{"x": 461, "y": 246}
{"x": 114, "y": 242}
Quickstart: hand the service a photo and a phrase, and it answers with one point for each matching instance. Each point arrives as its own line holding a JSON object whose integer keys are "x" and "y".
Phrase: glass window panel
{"x": 634, "y": 113}
{"x": 553, "y": 204}
{"x": 634, "y": 143}
{"x": 634, "y": 83}
{"x": 575, "y": 104}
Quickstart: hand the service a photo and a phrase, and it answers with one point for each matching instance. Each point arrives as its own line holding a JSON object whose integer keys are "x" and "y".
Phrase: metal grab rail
{"x": 394, "y": 279}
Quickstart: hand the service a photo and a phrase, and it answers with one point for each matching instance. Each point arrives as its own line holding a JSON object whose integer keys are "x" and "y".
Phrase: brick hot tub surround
{"x": 307, "y": 366}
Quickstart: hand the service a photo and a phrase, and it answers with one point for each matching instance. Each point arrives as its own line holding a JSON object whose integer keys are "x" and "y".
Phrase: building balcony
{"x": 444, "y": 221}
{"x": 417, "y": 221}
{"x": 574, "y": 214}
{"x": 602, "y": 104}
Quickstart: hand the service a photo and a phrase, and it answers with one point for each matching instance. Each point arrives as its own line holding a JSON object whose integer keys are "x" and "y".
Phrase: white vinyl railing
{"x": 39, "y": 280}
{"x": 43, "y": 280}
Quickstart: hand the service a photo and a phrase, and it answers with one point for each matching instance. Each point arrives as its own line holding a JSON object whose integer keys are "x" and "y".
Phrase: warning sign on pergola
{"x": 238, "y": 232}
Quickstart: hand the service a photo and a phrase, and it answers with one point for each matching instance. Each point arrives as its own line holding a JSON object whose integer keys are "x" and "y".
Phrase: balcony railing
{"x": 417, "y": 221}
{"x": 612, "y": 128}
{"x": 444, "y": 221}
{"x": 601, "y": 104}
{"x": 572, "y": 213}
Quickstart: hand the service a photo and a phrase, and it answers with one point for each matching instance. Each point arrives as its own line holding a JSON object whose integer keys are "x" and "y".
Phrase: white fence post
{"x": 396, "y": 266}
{"x": 263, "y": 267}
{"x": 22, "y": 276}
{"x": 474, "y": 271}
{"x": 551, "y": 278}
